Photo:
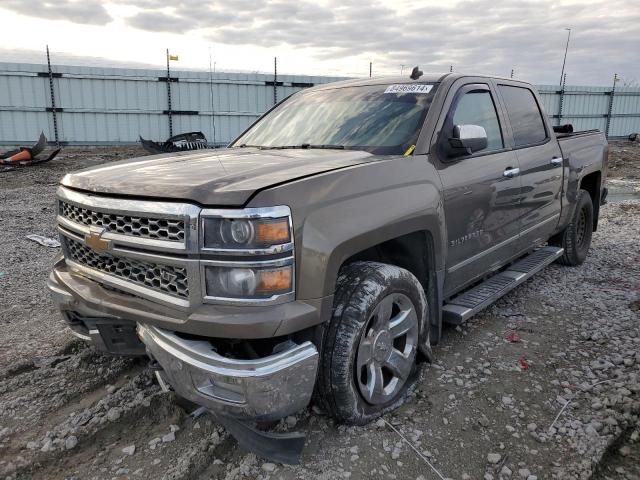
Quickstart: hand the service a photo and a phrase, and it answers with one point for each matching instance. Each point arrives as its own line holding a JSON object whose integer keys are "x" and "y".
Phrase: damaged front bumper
{"x": 262, "y": 389}
{"x": 266, "y": 388}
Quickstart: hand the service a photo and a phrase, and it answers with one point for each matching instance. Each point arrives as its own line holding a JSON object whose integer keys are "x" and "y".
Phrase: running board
{"x": 466, "y": 305}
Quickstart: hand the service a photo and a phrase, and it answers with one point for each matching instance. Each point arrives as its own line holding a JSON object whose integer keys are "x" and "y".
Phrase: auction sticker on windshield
{"x": 408, "y": 88}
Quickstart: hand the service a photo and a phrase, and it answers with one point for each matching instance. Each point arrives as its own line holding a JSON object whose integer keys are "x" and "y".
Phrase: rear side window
{"x": 477, "y": 108}
{"x": 524, "y": 114}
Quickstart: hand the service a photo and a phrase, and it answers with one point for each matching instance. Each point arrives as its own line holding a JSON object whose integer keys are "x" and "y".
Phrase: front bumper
{"x": 267, "y": 388}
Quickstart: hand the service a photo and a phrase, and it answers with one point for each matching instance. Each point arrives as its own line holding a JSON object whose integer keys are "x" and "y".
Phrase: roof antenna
{"x": 416, "y": 73}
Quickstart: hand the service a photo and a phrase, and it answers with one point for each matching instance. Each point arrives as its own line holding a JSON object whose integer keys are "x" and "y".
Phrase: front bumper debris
{"x": 268, "y": 388}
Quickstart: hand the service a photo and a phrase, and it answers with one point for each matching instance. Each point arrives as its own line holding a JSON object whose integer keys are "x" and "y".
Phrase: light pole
{"x": 566, "y": 49}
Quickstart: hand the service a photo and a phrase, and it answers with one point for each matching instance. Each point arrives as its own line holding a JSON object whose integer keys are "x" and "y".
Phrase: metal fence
{"x": 106, "y": 106}
{"x": 615, "y": 111}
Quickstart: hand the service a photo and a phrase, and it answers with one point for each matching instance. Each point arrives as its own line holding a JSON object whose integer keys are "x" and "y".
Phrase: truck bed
{"x": 581, "y": 148}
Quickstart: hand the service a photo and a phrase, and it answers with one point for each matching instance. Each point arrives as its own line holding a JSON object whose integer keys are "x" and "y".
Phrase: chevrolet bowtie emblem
{"x": 94, "y": 240}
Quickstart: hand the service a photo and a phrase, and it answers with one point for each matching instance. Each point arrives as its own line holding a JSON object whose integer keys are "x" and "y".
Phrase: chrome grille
{"x": 135, "y": 226}
{"x": 166, "y": 278}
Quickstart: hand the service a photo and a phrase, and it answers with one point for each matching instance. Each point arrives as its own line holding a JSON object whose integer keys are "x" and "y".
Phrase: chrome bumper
{"x": 267, "y": 388}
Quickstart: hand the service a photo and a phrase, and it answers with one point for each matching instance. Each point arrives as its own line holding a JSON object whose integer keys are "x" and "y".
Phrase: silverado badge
{"x": 94, "y": 240}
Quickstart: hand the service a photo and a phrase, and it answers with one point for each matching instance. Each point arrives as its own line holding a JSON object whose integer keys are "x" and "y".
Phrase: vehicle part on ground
{"x": 26, "y": 156}
{"x": 178, "y": 143}
{"x": 275, "y": 446}
{"x": 282, "y": 447}
{"x": 44, "y": 241}
{"x": 575, "y": 239}
{"x": 370, "y": 345}
{"x": 464, "y": 306}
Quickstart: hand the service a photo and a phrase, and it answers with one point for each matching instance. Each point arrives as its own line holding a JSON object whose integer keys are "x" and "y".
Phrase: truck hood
{"x": 222, "y": 177}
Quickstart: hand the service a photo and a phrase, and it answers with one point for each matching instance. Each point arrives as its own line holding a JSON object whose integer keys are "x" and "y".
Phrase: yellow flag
{"x": 173, "y": 57}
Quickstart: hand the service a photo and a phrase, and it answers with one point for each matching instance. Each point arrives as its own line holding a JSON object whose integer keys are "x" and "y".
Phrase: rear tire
{"x": 370, "y": 346}
{"x": 576, "y": 237}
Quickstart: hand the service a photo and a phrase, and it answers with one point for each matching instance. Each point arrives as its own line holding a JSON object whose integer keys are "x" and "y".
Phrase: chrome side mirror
{"x": 467, "y": 139}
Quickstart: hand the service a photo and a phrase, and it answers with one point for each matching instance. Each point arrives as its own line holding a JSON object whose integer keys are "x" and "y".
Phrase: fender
{"x": 339, "y": 214}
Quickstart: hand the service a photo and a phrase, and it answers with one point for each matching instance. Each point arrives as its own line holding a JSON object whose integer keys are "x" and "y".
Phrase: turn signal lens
{"x": 248, "y": 283}
{"x": 274, "y": 281}
{"x": 270, "y": 232}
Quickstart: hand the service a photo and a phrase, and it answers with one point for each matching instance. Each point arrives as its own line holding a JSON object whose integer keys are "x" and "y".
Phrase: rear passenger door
{"x": 481, "y": 197}
{"x": 540, "y": 161}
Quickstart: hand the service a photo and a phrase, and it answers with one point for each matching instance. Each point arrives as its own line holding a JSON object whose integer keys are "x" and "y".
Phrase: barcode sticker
{"x": 409, "y": 88}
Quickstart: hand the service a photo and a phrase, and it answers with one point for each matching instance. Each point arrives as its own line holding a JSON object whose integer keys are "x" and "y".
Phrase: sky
{"x": 336, "y": 37}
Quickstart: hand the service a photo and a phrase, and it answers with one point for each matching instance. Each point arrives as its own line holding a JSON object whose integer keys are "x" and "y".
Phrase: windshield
{"x": 381, "y": 119}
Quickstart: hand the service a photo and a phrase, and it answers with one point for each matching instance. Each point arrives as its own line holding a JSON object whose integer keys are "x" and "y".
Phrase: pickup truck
{"x": 320, "y": 253}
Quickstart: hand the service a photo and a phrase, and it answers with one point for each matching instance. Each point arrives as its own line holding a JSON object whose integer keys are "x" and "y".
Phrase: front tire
{"x": 576, "y": 237}
{"x": 370, "y": 346}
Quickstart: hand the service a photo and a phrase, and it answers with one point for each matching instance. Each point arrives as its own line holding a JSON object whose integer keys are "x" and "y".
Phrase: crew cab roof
{"x": 425, "y": 78}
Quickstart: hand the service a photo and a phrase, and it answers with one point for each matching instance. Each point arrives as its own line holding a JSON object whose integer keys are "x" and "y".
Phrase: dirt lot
{"x": 560, "y": 398}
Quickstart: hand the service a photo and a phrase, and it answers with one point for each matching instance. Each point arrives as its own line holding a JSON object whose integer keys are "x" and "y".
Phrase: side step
{"x": 467, "y": 304}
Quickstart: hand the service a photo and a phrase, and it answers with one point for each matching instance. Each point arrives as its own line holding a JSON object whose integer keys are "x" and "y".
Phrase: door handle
{"x": 556, "y": 161}
{"x": 511, "y": 172}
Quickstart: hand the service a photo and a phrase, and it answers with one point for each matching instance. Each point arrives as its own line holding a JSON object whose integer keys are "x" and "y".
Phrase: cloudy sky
{"x": 338, "y": 37}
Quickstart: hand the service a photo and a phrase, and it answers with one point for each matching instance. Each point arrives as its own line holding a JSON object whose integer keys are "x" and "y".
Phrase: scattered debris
{"x": 524, "y": 365}
{"x": 25, "y": 156}
{"x": 44, "y": 241}
{"x": 513, "y": 337}
{"x": 177, "y": 143}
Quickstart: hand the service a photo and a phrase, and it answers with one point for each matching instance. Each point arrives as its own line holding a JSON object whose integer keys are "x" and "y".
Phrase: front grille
{"x": 166, "y": 278}
{"x": 144, "y": 227}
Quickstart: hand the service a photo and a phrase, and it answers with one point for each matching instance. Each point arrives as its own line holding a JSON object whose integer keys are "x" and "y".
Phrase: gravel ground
{"x": 544, "y": 384}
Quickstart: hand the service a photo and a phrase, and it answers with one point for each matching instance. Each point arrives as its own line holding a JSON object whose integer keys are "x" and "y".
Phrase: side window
{"x": 477, "y": 108}
{"x": 524, "y": 114}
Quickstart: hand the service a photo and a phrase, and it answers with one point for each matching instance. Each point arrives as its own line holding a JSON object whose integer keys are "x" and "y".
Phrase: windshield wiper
{"x": 304, "y": 146}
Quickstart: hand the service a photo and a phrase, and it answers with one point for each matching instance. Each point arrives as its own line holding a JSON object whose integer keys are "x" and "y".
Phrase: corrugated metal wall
{"x": 115, "y": 105}
{"x": 594, "y": 107}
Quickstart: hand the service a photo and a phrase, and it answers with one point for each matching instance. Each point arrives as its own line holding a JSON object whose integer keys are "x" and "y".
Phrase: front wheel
{"x": 575, "y": 239}
{"x": 371, "y": 344}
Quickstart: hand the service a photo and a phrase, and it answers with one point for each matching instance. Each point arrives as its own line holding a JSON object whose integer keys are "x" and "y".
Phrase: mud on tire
{"x": 576, "y": 237}
{"x": 368, "y": 292}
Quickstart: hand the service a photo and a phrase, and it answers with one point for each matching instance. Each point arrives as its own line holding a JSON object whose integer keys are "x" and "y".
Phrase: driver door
{"x": 481, "y": 190}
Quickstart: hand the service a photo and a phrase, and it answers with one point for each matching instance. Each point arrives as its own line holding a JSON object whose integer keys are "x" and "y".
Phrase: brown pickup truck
{"x": 325, "y": 247}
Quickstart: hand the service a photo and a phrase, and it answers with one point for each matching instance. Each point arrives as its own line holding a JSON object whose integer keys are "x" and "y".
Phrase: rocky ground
{"x": 544, "y": 384}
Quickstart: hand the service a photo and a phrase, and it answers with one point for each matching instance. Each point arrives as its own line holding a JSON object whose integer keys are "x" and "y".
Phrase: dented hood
{"x": 215, "y": 177}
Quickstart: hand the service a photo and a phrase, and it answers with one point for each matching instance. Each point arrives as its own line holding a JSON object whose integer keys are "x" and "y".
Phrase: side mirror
{"x": 467, "y": 139}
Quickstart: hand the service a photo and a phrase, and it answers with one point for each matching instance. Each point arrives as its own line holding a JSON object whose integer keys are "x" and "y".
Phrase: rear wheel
{"x": 576, "y": 237}
{"x": 370, "y": 346}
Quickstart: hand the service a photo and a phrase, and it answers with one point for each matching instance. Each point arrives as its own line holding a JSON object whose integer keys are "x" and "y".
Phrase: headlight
{"x": 264, "y": 229}
{"x": 250, "y": 283}
{"x": 247, "y": 256}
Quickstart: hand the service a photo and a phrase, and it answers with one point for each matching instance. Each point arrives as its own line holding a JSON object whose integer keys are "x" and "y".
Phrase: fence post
{"x": 275, "y": 80}
{"x": 561, "y": 106}
{"x": 53, "y": 100}
{"x": 169, "y": 96}
{"x": 610, "y": 110}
